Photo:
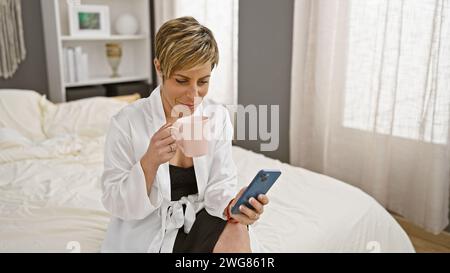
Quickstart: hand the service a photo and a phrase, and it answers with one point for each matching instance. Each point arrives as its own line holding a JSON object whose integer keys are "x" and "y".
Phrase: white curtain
{"x": 12, "y": 43}
{"x": 222, "y": 18}
{"x": 371, "y": 100}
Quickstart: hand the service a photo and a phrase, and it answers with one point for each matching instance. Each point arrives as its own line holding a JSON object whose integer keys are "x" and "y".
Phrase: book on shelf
{"x": 75, "y": 64}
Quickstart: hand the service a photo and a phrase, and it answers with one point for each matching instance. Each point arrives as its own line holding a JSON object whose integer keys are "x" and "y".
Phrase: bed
{"x": 51, "y": 161}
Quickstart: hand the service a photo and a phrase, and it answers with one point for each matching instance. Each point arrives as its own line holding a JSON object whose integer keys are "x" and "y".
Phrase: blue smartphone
{"x": 261, "y": 184}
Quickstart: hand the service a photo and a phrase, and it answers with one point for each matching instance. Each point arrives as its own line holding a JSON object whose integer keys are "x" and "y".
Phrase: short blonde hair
{"x": 184, "y": 43}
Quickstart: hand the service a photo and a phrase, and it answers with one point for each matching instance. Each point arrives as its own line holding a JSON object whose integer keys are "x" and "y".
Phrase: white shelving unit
{"x": 106, "y": 80}
{"x": 136, "y": 49}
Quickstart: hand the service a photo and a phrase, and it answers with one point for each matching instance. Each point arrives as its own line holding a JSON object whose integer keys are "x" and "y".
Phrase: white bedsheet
{"x": 50, "y": 195}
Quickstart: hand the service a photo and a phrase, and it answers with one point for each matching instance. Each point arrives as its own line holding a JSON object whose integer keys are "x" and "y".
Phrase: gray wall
{"x": 32, "y": 72}
{"x": 265, "y": 42}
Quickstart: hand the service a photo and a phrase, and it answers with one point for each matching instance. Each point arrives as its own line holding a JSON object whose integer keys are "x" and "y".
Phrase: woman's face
{"x": 185, "y": 87}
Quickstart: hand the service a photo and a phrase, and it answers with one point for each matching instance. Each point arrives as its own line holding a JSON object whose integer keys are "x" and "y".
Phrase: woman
{"x": 161, "y": 200}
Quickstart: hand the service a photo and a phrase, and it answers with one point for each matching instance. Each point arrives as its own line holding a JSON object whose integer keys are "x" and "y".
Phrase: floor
{"x": 423, "y": 241}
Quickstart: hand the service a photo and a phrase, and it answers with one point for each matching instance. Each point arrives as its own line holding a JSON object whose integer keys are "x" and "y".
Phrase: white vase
{"x": 114, "y": 56}
{"x": 127, "y": 24}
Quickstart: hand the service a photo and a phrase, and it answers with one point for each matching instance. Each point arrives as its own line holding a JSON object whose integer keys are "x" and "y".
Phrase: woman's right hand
{"x": 161, "y": 149}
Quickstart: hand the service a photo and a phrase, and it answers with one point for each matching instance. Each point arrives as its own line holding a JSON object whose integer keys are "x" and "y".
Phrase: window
{"x": 398, "y": 73}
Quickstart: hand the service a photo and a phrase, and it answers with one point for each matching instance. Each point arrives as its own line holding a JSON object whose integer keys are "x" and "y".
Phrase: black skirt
{"x": 206, "y": 230}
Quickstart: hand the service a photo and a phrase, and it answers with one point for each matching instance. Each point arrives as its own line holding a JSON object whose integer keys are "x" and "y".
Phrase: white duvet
{"x": 50, "y": 195}
{"x": 51, "y": 160}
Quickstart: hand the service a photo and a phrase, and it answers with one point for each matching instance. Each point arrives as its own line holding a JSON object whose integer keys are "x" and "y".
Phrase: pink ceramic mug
{"x": 191, "y": 134}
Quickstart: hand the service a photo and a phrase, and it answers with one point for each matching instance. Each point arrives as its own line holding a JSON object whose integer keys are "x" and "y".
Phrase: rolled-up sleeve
{"x": 222, "y": 182}
{"x": 123, "y": 181}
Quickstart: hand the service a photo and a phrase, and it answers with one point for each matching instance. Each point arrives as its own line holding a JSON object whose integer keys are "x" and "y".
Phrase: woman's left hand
{"x": 248, "y": 216}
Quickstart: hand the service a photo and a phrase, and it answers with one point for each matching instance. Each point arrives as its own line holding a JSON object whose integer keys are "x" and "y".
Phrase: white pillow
{"x": 10, "y": 138}
{"x": 87, "y": 117}
{"x": 20, "y": 110}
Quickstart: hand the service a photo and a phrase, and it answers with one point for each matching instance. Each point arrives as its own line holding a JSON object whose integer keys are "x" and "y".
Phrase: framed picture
{"x": 89, "y": 20}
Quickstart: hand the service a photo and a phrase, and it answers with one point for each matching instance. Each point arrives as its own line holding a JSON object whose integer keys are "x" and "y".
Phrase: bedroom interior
{"x": 364, "y": 115}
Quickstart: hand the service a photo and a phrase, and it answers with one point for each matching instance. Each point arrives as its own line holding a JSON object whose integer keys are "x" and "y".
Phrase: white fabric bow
{"x": 175, "y": 219}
